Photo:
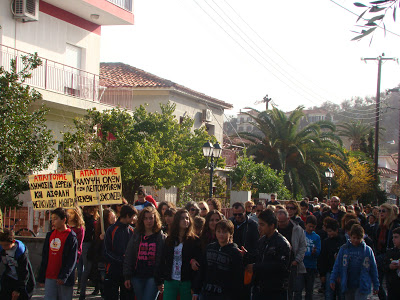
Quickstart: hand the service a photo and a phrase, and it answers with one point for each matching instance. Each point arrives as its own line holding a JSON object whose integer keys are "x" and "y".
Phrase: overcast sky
{"x": 297, "y": 52}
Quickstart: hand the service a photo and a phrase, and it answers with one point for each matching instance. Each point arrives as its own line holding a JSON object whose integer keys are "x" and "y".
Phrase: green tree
{"x": 259, "y": 178}
{"x": 25, "y": 142}
{"x": 152, "y": 149}
{"x": 355, "y": 131}
{"x": 298, "y": 153}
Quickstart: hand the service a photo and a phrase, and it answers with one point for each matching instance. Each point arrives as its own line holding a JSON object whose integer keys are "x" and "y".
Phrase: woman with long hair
{"x": 383, "y": 239}
{"x": 181, "y": 247}
{"x": 208, "y": 234}
{"x": 77, "y": 225}
{"x": 214, "y": 204}
{"x": 293, "y": 210}
{"x": 204, "y": 209}
{"x": 162, "y": 207}
{"x": 169, "y": 219}
{"x": 143, "y": 256}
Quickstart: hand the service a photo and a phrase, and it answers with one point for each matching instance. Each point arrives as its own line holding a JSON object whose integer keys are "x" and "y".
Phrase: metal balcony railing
{"x": 125, "y": 4}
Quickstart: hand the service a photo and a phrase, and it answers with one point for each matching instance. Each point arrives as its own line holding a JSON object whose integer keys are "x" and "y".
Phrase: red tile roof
{"x": 120, "y": 75}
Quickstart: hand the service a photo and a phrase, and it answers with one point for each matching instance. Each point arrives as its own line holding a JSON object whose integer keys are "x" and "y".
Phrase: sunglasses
{"x": 192, "y": 209}
{"x": 290, "y": 208}
{"x": 237, "y": 215}
{"x": 382, "y": 210}
{"x": 204, "y": 208}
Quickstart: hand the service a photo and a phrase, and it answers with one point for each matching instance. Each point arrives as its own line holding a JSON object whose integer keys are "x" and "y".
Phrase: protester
{"x": 204, "y": 209}
{"x": 360, "y": 216}
{"x": 17, "y": 280}
{"x": 96, "y": 253}
{"x": 245, "y": 235}
{"x": 273, "y": 200}
{"x": 366, "y": 238}
{"x": 169, "y": 218}
{"x": 214, "y": 204}
{"x": 329, "y": 249}
{"x": 162, "y": 207}
{"x": 304, "y": 212}
{"x": 392, "y": 267}
{"x": 147, "y": 197}
{"x": 115, "y": 243}
{"x": 271, "y": 261}
{"x": 208, "y": 234}
{"x": 141, "y": 202}
{"x": 371, "y": 225}
{"x": 60, "y": 251}
{"x": 248, "y": 206}
{"x": 181, "y": 247}
{"x": 260, "y": 206}
{"x": 355, "y": 267}
{"x": 334, "y": 212}
{"x": 193, "y": 208}
{"x": 293, "y": 210}
{"x": 296, "y": 237}
{"x": 90, "y": 216}
{"x": 222, "y": 268}
{"x": 141, "y": 268}
{"x": 77, "y": 224}
{"x": 198, "y": 225}
{"x": 383, "y": 240}
{"x": 117, "y": 207}
{"x": 310, "y": 260}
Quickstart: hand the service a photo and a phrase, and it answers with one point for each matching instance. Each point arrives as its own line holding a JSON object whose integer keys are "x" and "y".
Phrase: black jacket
{"x": 246, "y": 234}
{"x": 115, "y": 243}
{"x": 329, "y": 250}
{"x": 393, "y": 280}
{"x": 329, "y": 213}
{"x": 221, "y": 272}
{"x": 389, "y": 237}
{"x": 272, "y": 262}
{"x": 191, "y": 250}
{"x": 26, "y": 278}
{"x": 69, "y": 257}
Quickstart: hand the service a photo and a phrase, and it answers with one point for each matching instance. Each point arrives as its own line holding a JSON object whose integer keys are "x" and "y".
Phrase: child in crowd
{"x": 356, "y": 267}
{"x": 18, "y": 280}
{"x": 329, "y": 250}
{"x": 392, "y": 267}
{"x": 59, "y": 257}
{"x": 310, "y": 258}
{"x": 222, "y": 271}
{"x": 198, "y": 224}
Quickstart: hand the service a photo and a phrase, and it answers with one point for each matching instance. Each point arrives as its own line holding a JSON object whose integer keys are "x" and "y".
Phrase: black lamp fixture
{"x": 213, "y": 152}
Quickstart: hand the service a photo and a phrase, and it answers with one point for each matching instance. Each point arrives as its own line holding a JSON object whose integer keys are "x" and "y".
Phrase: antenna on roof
{"x": 265, "y": 100}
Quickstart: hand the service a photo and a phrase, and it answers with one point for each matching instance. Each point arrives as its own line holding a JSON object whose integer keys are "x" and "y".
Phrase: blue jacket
{"x": 69, "y": 258}
{"x": 115, "y": 243}
{"x": 26, "y": 279}
{"x": 313, "y": 241}
{"x": 369, "y": 271}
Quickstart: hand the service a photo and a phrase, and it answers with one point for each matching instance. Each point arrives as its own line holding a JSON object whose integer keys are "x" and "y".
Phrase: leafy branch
{"x": 372, "y": 19}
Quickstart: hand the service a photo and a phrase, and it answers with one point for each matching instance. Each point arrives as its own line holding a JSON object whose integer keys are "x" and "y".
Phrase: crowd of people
{"x": 266, "y": 250}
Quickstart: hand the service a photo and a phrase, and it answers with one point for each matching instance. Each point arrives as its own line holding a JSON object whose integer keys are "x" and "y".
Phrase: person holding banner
{"x": 60, "y": 251}
{"x": 115, "y": 243}
{"x": 143, "y": 256}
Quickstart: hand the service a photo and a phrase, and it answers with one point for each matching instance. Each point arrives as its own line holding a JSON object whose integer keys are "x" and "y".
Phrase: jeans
{"x": 173, "y": 287}
{"x": 53, "y": 291}
{"x": 332, "y": 294}
{"x": 354, "y": 294}
{"x": 305, "y": 280}
{"x": 87, "y": 266}
{"x": 145, "y": 288}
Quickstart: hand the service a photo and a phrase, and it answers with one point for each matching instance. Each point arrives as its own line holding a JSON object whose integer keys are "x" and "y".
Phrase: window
{"x": 240, "y": 128}
{"x": 210, "y": 129}
{"x": 73, "y": 57}
{"x": 248, "y": 128}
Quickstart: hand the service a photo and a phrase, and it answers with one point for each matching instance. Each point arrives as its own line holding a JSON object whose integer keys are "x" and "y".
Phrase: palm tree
{"x": 355, "y": 132}
{"x": 302, "y": 154}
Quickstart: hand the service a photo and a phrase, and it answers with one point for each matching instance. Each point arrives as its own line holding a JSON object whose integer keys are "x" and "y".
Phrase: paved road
{"x": 39, "y": 292}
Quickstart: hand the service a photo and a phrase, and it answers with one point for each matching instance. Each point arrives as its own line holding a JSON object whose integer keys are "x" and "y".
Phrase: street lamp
{"x": 212, "y": 151}
{"x": 329, "y": 173}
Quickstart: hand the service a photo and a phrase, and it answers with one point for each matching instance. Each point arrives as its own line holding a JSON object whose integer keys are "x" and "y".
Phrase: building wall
{"x": 49, "y": 38}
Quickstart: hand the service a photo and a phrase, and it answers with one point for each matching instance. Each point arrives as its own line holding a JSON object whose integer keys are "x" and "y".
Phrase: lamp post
{"x": 329, "y": 173}
{"x": 212, "y": 151}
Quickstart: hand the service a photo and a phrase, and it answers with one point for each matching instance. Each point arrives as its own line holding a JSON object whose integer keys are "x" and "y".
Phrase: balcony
{"x": 125, "y": 4}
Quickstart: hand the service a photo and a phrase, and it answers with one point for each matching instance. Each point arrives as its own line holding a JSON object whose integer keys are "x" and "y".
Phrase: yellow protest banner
{"x": 49, "y": 191}
{"x": 98, "y": 186}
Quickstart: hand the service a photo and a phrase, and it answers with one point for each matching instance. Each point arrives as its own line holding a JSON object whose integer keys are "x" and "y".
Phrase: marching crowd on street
{"x": 267, "y": 250}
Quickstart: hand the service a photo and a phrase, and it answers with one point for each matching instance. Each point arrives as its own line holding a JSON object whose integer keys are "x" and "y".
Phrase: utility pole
{"x": 378, "y": 103}
{"x": 266, "y": 100}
